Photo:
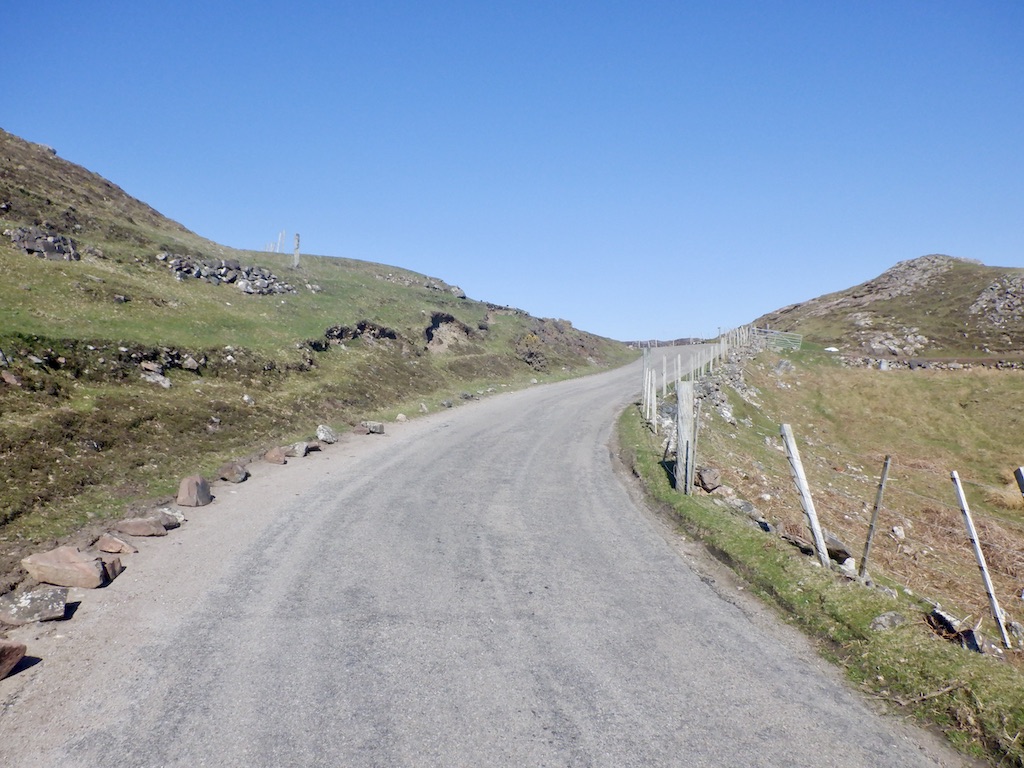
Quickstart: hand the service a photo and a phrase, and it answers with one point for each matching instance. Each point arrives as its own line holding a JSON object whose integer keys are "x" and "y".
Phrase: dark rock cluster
{"x": 45, "y": 245}
{"x": 247, "y": 278}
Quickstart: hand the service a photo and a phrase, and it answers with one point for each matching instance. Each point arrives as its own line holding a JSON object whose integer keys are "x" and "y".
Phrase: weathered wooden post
{"x": 684, "y": 435}
{"x": 972, "y": 534}
{"x": 797, "y": 468}
{"x": 874, "y": 518}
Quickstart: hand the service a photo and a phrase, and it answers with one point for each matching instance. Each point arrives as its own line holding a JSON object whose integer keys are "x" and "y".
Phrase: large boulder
{"x": 66, "y": 567}
{"x": 194, "y": 491}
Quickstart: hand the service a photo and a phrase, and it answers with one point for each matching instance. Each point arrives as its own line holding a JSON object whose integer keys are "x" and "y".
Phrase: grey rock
{"x": 888, "y": 621}
{"x": 837, "y": 550}
{"x": 156, "y": 378}
{"x": 233, "y": 472}
{"x": 708, "y": 478}
{"x": 374, "y": 427}
{"x": 326, "y": 435}
{"x": 44, "y": 604}
{"x": 297, "y": 450}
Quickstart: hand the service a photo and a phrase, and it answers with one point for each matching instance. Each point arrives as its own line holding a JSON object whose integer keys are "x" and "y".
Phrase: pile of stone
{"x": 430, "y": 283}
{"x": 45, "y": 245}
{"x": 247, "y": 278}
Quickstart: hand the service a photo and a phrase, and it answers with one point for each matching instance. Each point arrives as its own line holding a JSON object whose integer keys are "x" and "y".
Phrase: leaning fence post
{"x": 797, "y": 468}
{"x": 874, "y": 518}
{"x": 972, "y": 534}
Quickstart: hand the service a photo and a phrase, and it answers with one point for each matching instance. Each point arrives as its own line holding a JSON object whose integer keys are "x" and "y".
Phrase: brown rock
{"x": 194, "y": 491}
{"x": 10, "y": 378}
{"x": 43, "y": 604}
{"x": 233, "y": 472}
{"x": 66, "y": 567}
{"x": 10, "y": 655}
{"x": 108, "y": 542}
{"x": 141, "y": 526}
{"x": 275, "y": 456}
{"x": 112, "y": 567}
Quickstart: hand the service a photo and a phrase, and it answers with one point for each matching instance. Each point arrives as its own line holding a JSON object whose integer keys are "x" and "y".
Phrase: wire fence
{"x": 922, "y": 544}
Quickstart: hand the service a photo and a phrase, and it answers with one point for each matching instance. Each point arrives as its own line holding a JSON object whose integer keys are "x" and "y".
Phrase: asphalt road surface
{"x": 474, "y": 588}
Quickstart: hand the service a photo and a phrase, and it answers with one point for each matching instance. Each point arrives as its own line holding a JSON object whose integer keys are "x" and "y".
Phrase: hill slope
{"x": 932, "y": 306}
{"x": 133, "y": 351}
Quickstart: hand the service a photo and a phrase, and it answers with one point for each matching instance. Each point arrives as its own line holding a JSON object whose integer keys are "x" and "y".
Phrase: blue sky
{"x": 645, "y": 170}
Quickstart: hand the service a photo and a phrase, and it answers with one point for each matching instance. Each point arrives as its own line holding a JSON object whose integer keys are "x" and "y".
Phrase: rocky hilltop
{"x": 930, "y": 307}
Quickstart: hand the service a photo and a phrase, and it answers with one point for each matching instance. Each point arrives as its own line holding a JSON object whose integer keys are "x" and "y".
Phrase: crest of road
{"x": 477, "y": 587}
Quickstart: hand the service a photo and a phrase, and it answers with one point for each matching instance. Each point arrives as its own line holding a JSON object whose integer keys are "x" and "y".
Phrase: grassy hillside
{"x": 930, "y": 307}
{"x": 82, "y": 434}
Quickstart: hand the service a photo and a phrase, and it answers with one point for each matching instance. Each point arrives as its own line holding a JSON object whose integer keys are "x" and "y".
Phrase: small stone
{"x": 156, "y": 378}
{"x": 401, "y": 418}
{"x": 374, "y": 427}
{"x": 112, "y": 567}
{"x": 141, "y": 526}
{"x": 169, "y": 519}
{"x": 888, "y": 621}
{"x": 233, "y": 472}
{"x": 44, "y": 604}
{"x": 10, "y": 378}
{"x": 10, "y": 655}
{"x": 108, "y": 542}
{"x": 423, "y": 408}
{"x": 189, "y": 363}
{"x": 194, "y": 491}
{"x": 296, "y": 450}
{"x": 708, "y": 478}
{"x": 898, "y": 533}
{"x": 275, "y": 456}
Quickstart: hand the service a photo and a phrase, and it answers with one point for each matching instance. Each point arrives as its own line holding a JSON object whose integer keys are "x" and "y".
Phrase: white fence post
{"x": 797, "y": 468}
{"x": 972, "y": 534}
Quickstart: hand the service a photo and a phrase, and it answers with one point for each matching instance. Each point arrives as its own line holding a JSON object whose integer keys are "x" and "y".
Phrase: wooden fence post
{"x": 972, "y": 534}
{"x": 874, "y": 518}
{"x": 684, "y": 432}
{"x": 797, "y": 468}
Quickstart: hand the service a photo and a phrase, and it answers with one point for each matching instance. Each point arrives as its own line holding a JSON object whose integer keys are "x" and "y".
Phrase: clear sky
{"x": 643, "y": 169}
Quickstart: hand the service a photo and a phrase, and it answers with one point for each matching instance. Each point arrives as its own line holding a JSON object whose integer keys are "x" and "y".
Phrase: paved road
{"x": 476, "y": 588}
